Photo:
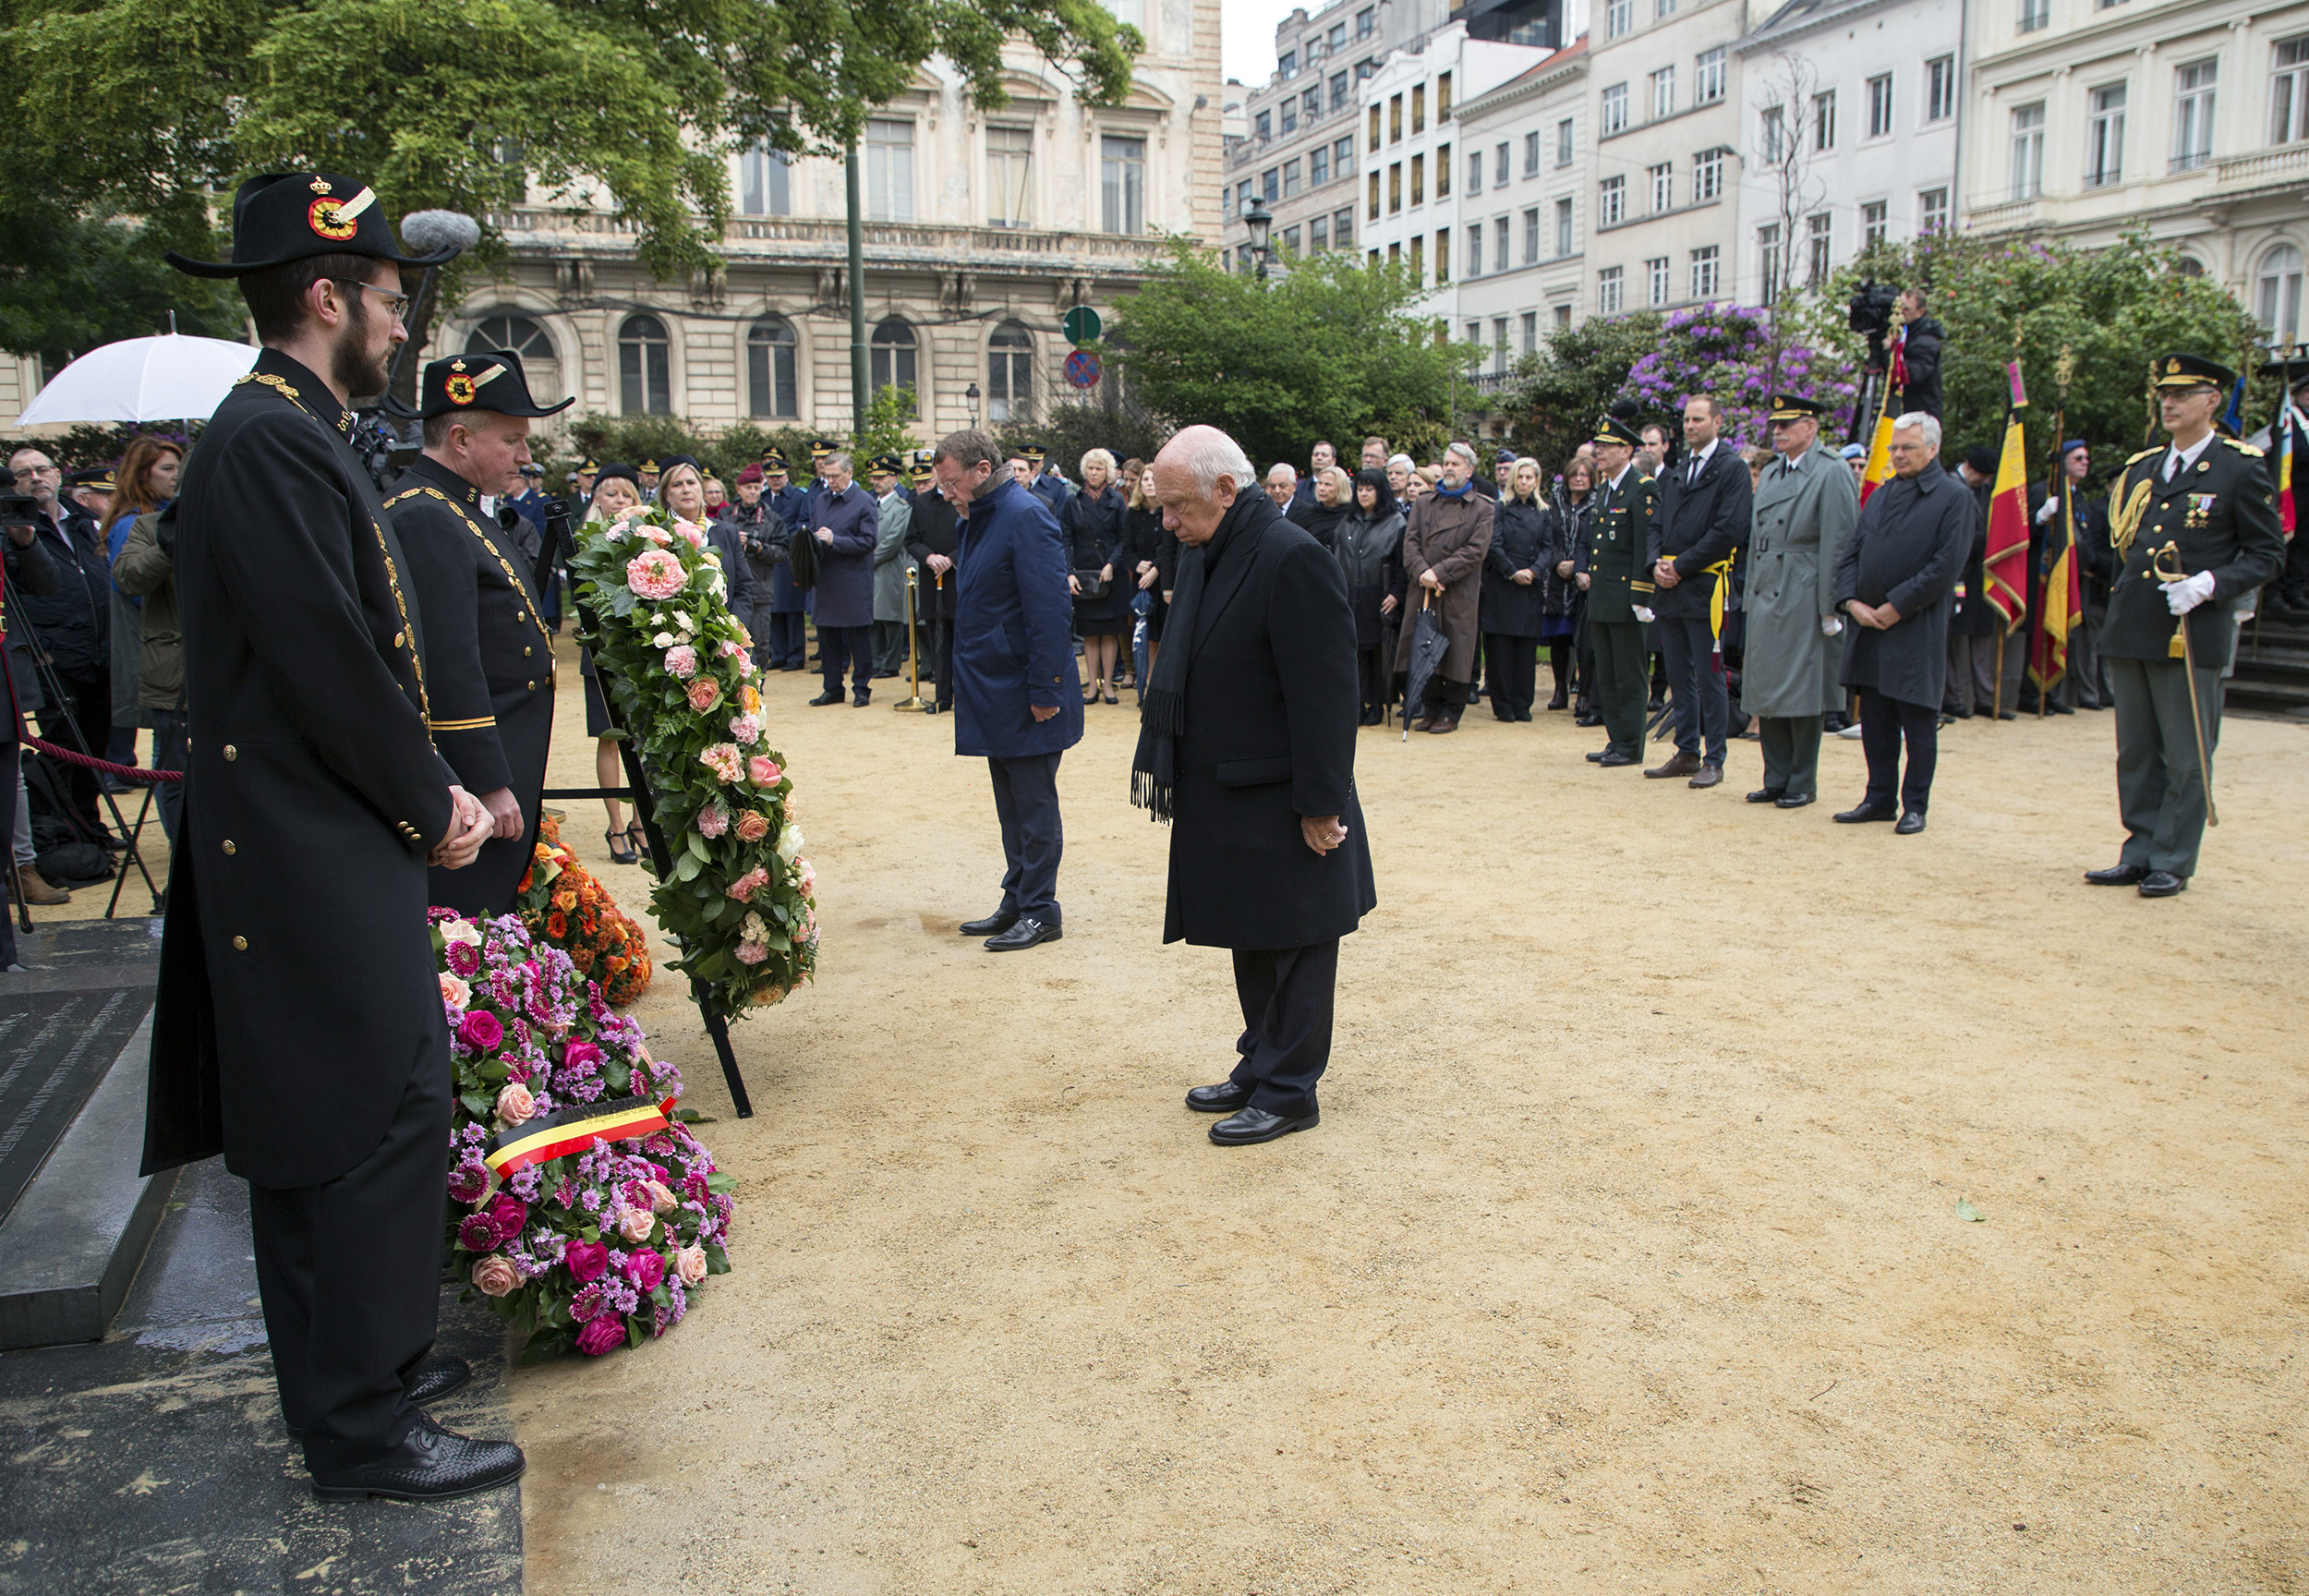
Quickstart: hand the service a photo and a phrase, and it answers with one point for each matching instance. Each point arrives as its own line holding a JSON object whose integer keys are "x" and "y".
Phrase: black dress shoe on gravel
{"x": 1248, "y": 1125}
{"x": 437, "y": 1376}
{"x": 430, "y": 1465}
{"x": 1597, "y": 757}
{"x": 1911, "y": 822}
{"x": 1223, "y": 1098}
{"x": 1864, "y": 813}
{"x": 1025, "y": 934}
{"x": 1611, "y": 758}
{"x": 993, "y": 925}
{"x": 1796, "y": 799}
{"x": 2117, "y": 875}
{"x": 860, "y": 700}
{"x": 825, "y": 698}
{"x": 2163, "y": 883}
{"x": 1765, "y": 795}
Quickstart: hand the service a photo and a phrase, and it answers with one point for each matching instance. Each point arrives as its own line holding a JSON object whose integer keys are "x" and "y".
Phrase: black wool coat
{"x": 1907, "y": 551}
{"x": 1093, "y": 524}
{"x": 1700, "y": 524}
{"x": 1145, "y": 538}
{"x": 297, "y": 991}
{"x": 1523, "y": 539}
{"x": 1369, "y": 551}
{"x": 489, "y": 663}
{"x": 1973, "y": 616}
{"x": 934, "y": 528}
{"x": 1271, "y": 710}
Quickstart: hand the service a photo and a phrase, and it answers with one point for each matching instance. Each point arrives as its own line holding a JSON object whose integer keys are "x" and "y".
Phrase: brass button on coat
{"x": 240, "y": 944}
{"x": 231, "y": 753}
{"x": 399, "y": 638}
{"x": 228, "y": 846}
{"x": 524, "y": 653}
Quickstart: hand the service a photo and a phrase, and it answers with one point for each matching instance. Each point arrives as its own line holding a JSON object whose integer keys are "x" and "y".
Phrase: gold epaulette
{"x": 2242, "y": 447}
{"x": 2153, "y": 449}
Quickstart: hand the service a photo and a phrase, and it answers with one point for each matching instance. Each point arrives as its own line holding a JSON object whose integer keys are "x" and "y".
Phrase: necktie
{"x": 2172, "y": 464}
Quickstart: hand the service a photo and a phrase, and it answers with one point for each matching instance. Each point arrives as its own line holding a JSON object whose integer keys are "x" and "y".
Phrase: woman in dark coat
{"x": 1091, "y": 523}
{"x": 1369, "y": 543}
{"x": 1515, "y": 594}
{"x": 1575, "y": 515}
{"x": 1319, "y": 518}
{"x": 1150, "y": 556}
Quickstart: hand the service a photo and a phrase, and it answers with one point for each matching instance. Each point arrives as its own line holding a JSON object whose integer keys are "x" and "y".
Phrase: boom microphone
{"x": 428, "y": 232}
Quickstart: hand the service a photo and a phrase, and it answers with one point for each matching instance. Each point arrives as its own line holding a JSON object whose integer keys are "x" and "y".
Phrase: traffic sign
{"x": 1083, "y": 369}
{"x": 1081, "y": 327}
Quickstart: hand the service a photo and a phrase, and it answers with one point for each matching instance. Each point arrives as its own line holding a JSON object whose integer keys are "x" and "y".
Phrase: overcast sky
{"x": 1247, "y": 36}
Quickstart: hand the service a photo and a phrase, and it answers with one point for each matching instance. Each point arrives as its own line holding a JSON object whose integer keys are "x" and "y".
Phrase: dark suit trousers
{"x": 1791, "y": 753}
{"x": 1884, "y": 723}
{"x": 2161, "y": 790}
{"x": 349, "y": 1272}
{"x": 1286, "y": 996}
{"x": 1510, "y": 672}
{"x": 788, "y": 648}
{"x": 1619, "y": 682}
{"x": 852, "y": 645}
{"x": 1703, "y": 711}
{"x": 1026, "y": 802}
{"x": 940, "y": 661}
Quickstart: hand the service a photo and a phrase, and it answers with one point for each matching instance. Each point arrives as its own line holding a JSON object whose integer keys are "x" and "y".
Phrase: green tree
{"x": 67, "y": 285}
{"x": 1334, "y": 350}
{"x": 1563, "y": 387}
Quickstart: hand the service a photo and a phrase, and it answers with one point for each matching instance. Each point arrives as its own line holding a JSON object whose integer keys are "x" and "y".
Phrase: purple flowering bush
{"x": 1725, "y": 351}
{"x": 603, "y": 1246}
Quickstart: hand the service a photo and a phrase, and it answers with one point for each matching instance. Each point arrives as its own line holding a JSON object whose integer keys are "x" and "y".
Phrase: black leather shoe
{"x": 437, "y": 1376}
{"x": 430, "y": 1465}
{"x": 1796, "y": 799}
{"x": 1597, "y": 757}
{"x": 1223, "y": 1098}
{"x": 1911, "y": 822}
{"x": 993, "y": 925}
{"x": 1765, "y": 795}
{"x": 825, "y": 698}
{"x": 1247, "y": 1125}
{"x": 2057, "y": 708}
{"x": 1025, "y": 934}
{"x": 1584, "y": 718}
{"x": 2118, "y": 875}
{"x": 2163, "y": 883}
{"x": 1865, "y": 813}
{"x": 860, "y": 700}
{"x": 1611, "y": 759}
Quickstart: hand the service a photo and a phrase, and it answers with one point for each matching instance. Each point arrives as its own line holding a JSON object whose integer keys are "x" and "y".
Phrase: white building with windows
{"x": 2085, "y": 117}
{"x": 983, "y": 228}
{"x": 1526, "y": 173}
{"x": 1668, "y": 136}
{"x": 1851, "y": 134}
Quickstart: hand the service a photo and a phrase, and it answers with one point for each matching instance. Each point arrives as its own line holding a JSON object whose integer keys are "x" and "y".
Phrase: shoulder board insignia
{"x": 2144, "y": 454}
{"x": 1645, "y": 480}
{"x": 2242, "y": 447}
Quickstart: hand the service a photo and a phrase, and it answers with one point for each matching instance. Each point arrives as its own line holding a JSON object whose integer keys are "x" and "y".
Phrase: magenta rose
{"x": 478, "y": 1233}
{"x": 586, "y": 1260}
{"x": 645, "y": 1268}
{"x": 509, "y": 1214}
{"x": 581, "y": 1056}
{"x": 590, "y": 1302}
{"x": 480, "y": 1031}
{"x": 605, "y": 1334}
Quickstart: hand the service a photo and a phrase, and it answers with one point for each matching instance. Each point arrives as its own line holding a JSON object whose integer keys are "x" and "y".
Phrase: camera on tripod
{"x": 1870, "y": 312}
{"x": 19, "y": 513}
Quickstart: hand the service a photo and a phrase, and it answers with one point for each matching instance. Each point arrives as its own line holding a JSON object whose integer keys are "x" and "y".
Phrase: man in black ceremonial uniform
{"x": 2201, "y": 507}
{"x": 1706, "y": 502}
{"x": 489, "y": 654}
{"x": 1618, "y": 578}
{"x": 300, "y": 1026}
{"x": 931, "y": 537}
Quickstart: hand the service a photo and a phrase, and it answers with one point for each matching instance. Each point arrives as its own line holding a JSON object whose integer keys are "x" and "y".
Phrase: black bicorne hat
{"x": 491, "y": 380}
{"x": 284, "y": 216}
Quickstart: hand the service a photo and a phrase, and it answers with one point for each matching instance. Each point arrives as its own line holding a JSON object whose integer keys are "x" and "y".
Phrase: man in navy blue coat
{"x": 845, "y": 521}
{"x": 1014, "y": 667}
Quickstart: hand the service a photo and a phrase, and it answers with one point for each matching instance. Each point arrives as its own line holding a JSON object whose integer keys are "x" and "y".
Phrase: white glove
{"x": 1830, "y": 625}
{"x": 1643, "y": 614}
{"x": 2188, "y": 593}
{"x": 2049, "y": 509}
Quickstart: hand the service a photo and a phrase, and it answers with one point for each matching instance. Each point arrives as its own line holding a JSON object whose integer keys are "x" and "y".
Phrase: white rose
{"x": 464, "y": 931}
{"x": 789, "y": 844}
{"x": 662, "y": 640}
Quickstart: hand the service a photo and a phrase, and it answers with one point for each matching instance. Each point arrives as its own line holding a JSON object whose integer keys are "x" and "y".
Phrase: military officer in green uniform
{"x": 1618, "y": 580}
{"x": 489, "y": 653}
{"x": 2193, "y": 526}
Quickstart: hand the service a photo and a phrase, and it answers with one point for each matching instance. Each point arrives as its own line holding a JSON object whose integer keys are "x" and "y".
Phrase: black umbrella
{"x": 1428, "y": 647}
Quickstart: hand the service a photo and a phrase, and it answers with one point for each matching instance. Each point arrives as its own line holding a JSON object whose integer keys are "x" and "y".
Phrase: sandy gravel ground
{"x": 1627, "y": 1254}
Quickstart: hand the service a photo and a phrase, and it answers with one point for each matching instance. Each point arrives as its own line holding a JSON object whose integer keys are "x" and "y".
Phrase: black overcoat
{"x": 1974, "y": 616}
{"x": 1271, "y": 711}
{"x": 1523, "y": 539}
{"x": 1907, "y": 551}
{"x": 489, "y": 663}
{"x": 297, "y": 987}
{"x": 1700, "y": 524}
{"x": 1093, "y": 524}
{"x": 1369, "y": 551}
{"x": 933, "y": 529}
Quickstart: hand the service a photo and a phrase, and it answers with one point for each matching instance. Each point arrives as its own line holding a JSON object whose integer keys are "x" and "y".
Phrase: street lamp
{"x": 970, "y": 394}
{"x": 1259, "y": 222}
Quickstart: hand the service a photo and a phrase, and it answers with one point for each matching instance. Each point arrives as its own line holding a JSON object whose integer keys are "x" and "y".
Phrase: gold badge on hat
{"x": 460, "y": 388}
{"x": 2172, "y": 368}
{"x": 337, "y": 221}
{"x": 321, "y": 186}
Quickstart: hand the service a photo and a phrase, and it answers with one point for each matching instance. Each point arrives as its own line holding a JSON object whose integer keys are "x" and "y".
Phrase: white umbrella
{"x": 173, "y": 377}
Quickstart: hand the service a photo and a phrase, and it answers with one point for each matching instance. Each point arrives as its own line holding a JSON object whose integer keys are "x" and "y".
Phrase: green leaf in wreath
{"x": 686, "y": 867}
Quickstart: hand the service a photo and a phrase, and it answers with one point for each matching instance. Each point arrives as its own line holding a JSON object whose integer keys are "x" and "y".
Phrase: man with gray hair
{"x": 1448, "y": 533}
{"x": 845, "y": 521}
{"x": 1282, "y": 484}
{"x": 1897, "y": 580}
{"x": 1247, "y": 747}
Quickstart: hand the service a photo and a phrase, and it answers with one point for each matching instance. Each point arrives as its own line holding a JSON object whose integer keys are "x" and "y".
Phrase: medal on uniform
{"x": 2200, "y": 508}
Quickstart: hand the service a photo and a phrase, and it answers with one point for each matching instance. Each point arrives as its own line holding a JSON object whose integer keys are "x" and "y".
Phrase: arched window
{"x": 539, "y": 365}
{"x": 893, "y": 352}
{"x": 770, "y": 387}
{"x": 645, "y": 369}
{"x": 1011, "y": 373}
{"x": 2277, "y": 303}
{"x": 2188, "y": 266}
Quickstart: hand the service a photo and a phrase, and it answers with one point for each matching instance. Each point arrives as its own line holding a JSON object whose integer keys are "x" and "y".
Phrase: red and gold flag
{"x": 2060, "y": 603}
{"x": 1880, "y": 466}
{"x": 2004, "y": 565}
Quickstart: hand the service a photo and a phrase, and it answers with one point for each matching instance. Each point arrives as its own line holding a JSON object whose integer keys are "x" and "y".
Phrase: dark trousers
{"x": 350, "y": 1276}
{"x": 1372, "y": 678}
{"x": 940, "y": 660}
{"x": 168, "y": 754}
{"x": 2085, "y": 685}
{"x": 1286, "y": 996}
{"x": 850, "y": 645}
{"x": 1619, "y": 682}
{"x": 1884, "y": 724}
{"x": 1703, "y": 712}
{"x": 1026, "y": 802}
{"x": 1559, "y": 666}
{"x": 889, "y": 648}
{"x": 2160, "y": 790}
{"x": 1791, "y": 753}
{"x": 788, "y": 648}
{"x": 89, "y": 695}
{"x": 1510, "y": 668}
{"x": 11, "y": 757}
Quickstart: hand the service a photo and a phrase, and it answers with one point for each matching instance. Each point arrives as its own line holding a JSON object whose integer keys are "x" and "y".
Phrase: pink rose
{"x": 660, "y": 1198}
{"x": 746, "y": 728}
{"x": 586, "y": 1260}
{"x": 745, "y": 886}
{"x": 464, "y": 958}
{"x": 476, "y": 1233}
{"x": 645, "y": 1269}
{"x": 582, "y": 1057}
{"x": 637, "y": 1225}
{"x": 496, "y": 1275}
{"x": 809, "y": 878}
{"x": 712, "y": 820}
{"x": 723, "y": 760}
{"x": 689, "y": 1263}
{"x": 691, "y": 531}
{"x": 605, "y": 1334}
{"x": 705, "y": 692}
{"x": 752, "y": 827}
{"x": 680, "y": 662}
{"x": 454, "y": 992}
{"x": 509, "y": 1214}
{"x": 655, "y": 574}
{"x": 751, "y": 953}
{"x": 515, "y": 1104}
{"x": 480, "y": 1031}
{"x": 764, "y": 770}
{"x": 657, "y": 535}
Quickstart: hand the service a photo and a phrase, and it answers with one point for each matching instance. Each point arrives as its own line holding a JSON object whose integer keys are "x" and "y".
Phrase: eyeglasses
{"x": 397, "y": 303}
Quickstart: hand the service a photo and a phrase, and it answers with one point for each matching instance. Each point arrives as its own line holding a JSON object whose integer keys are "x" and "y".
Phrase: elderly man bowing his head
{"x": 1247, "y": 746}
